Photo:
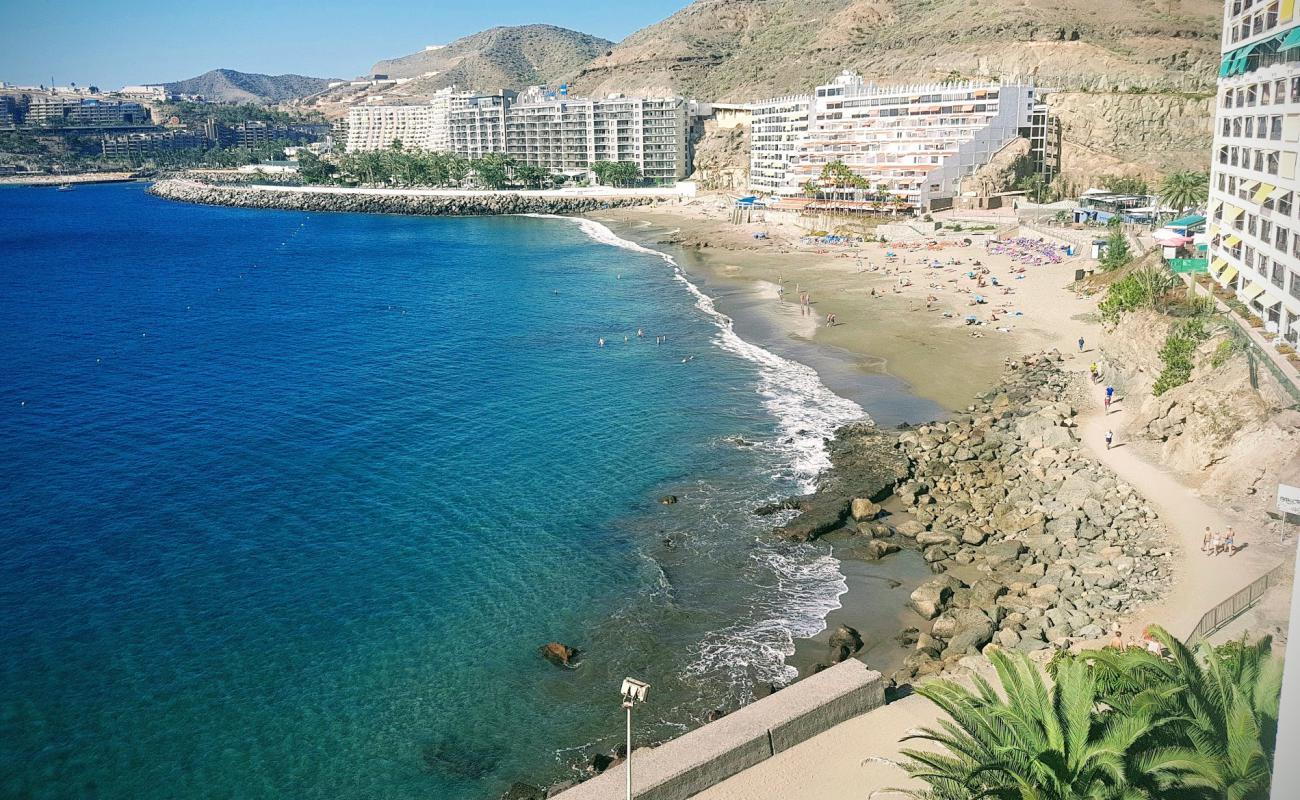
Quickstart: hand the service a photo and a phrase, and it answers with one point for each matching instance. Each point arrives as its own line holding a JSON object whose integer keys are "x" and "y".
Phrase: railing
{"x": 1234, "y": 606}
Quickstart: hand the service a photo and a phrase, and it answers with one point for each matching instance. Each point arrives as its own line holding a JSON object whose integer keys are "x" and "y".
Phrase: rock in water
{"x": 561, "y": 655}
{"x": 668, "y": 499}
{"x": 524, "y": 791}
{"x": 845, "y": 641}
{"x": 863, "y": 510}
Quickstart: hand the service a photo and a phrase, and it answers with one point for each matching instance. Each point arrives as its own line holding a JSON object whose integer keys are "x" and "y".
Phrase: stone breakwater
{"x": 1034, "y": 543}
{"x": 430, "y": 205}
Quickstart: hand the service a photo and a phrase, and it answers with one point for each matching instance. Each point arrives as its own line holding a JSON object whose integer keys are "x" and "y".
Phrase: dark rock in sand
{"x": 907, "y": 636}
{"x": 715, "y": 715}
{"x": 561, "y": 655}
{"x": 844, "y": 642}
{"x": 599, "y": 763}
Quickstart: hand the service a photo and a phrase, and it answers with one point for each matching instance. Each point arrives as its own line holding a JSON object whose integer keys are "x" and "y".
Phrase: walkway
{"x": 1200, "y": 580}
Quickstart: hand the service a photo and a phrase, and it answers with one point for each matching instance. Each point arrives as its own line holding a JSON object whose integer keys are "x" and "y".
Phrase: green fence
{"x": 1189, "y": 264}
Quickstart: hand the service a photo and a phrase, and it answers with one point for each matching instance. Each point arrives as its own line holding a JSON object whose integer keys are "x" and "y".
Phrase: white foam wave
{"x": 806, "y": 411}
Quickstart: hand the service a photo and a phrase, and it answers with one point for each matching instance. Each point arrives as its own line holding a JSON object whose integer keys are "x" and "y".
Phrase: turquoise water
{"x": 291, "y": 500}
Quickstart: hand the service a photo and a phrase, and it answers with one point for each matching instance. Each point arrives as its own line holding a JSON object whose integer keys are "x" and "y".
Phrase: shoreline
{"x": 58, "y": 180}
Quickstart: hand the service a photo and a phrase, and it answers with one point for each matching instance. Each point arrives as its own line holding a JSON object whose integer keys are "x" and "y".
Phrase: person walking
{"x": 1106, "y": 403}
{"x": 1110, "y": 392}
{"x": 1216, "y": 544}
{"x": 1110, "y": 437}
{"x": 1230, "y": 541}
{"x": 1092, "y": 370}
{"x": 1205, "y": 540}
{"x": 1080, "y": 344}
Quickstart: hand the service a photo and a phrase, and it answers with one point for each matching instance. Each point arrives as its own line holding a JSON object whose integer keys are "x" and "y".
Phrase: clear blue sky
{"x": 111, "y": 43}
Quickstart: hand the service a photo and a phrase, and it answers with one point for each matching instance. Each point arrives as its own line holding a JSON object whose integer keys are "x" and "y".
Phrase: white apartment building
{"x": 74, "y": 111}
{"x": 777, "y": 129}
{"x": 424, "y": 127}
{"x": 479, "y": 126}
{"x": 913, "y": 142}
{"x": 1254, "y": 194}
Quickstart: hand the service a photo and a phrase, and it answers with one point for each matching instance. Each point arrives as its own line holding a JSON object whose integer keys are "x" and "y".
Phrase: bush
{"x": 1177, "y": 354}
{"x": 1140, "y": 289}
{"x": 1226, "y": 349}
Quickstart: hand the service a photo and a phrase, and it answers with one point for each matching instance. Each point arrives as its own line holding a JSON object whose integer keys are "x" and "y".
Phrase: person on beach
{"x": 1230, "y": 541}
{"x": 1080, "y": 344}
{"x": 1216, "y": 544}
{"x": 1205, "y": 540}
{"x": 1093, "y": 371}
{"x": 1117, "y": 641}
{"x": 1110, "y": 392}
{"x": 1106, "y": 403}
{"x": 1110, "y": 437}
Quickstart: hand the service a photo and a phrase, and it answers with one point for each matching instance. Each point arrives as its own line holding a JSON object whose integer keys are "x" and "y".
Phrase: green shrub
{"x": 1226, "y": 349}
{"x": 1176, "y": 355}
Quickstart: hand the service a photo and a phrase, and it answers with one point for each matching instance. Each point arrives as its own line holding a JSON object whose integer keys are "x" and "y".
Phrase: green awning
{"x": 1226, "y": 67}
{"x": 1292, "y": 39}
{"x": 1186, "y": 222}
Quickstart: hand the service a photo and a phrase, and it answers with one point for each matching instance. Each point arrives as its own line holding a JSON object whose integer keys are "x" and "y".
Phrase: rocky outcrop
{"x": 844, "y": 642}
{"x": 561, "y": 655}
{"x": 722, "y": 158}
{"x": 866, "y": 465}
{"x": 430, "y": 205}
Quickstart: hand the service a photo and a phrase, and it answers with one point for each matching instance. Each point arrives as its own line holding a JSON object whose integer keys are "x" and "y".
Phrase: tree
{"x": 1184, "y": 190}
{"x": 1125, "y": 184}
{"x": 493, "y": 170}
{"x": 616, "y": 173}
{"x": 1117, "y": 253}
{"x": 1037, "y": 744}
{"x": 312, "y": 169}
{"x": 1220, "y": 707}
{"x": 531, "y": 177}
{"x": 1034, "y": 186}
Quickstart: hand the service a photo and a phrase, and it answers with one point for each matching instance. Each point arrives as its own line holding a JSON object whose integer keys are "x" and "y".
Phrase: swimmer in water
{"x": 601, "y": 341}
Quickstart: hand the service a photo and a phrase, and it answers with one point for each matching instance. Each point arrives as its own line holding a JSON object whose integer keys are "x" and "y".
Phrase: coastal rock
{"x": 877, "y": 549}
{"x": 668, "y": 500}
{"x": 910, "y": 528}
{"x": 524, "y": 791}
{"x": 863, "y": 510}
{"x": 561, "y": 655}
{"x": 844, "y": 642}
{"x": 932, "y": 597}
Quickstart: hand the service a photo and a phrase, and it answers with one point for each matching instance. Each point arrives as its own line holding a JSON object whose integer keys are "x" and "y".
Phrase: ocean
{"x": 291, "y": 500}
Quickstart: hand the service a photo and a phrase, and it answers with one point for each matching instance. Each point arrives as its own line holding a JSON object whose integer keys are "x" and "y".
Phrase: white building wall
{"x": 1254, "y": 203}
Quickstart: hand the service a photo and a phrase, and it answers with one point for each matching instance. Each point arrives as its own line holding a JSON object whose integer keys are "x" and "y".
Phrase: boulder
{"x": 973, "y": 535}
{"x": 561, "y": 655}
{"x": 909, "y": 528}
{"x": 932, "y": 597}
{"x": 863, "y": 510}
{"x": 877, "y": 549}
{"x": 668, "y": 499}
{"x": 524, "y": 791}
{"x": 844, "y": 642}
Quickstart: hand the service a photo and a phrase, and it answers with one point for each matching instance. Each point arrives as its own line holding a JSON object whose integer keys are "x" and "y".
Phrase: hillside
{"x": 230, "y": 86}
{"x": 498, "y": 58}
{"x": 1133, "y": 72}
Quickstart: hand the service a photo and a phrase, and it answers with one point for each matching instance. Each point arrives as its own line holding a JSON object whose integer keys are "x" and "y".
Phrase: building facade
{"x": 479, "y": 126}
{"x": 130, "y": 146}
{"x": 424, "y": 127}
{"x": 1254, "y": 200}
{"x": 85, "y": 112}
{"x": 913, "y": 143}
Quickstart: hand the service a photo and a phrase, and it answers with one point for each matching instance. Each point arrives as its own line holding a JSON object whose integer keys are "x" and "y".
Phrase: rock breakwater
{"x": 386, "y": 202}
{"x": 1035, "y": 543}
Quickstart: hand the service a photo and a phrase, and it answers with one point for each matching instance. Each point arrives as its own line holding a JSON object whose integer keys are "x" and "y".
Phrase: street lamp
{"x": 634, "y": 691}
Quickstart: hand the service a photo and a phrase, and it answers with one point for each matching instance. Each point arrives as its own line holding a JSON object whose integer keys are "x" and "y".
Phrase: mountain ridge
{"x": 233, "y": 86}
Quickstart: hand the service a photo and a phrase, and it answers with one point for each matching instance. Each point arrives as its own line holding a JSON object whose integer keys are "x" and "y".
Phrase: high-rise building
{"x": 140, "y": 145}
{"x": 479, "y": 126}
{"x": 914, "y": 143}
{"x": 1254, "y": 195}
{"x": 76, "y": 112}
{"x": 569, "y": 135}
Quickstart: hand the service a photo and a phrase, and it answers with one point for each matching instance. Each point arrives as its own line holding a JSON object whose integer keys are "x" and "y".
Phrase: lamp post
{"x": 634, "y": 691}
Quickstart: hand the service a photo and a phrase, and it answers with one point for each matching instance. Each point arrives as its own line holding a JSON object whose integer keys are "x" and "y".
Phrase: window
{"x": 1295, "y": 284}
{"x": 1248, "y": 257}
{"x": 1264, "y": 93}
{"x": 1252, "y": 224}
{"x": 1265, "y": 229}
{"x": 1279, "y": 91}
{"x": 1251, "y": 91}
{"x": 1275, "y": 128}
{"x": 1236, "y": 125}
{"x": 1261, "y": 127}
{"x": 1279, "y": 239}
{"x": 1262, "y": 267}
{"x": 1295, "y": 90}
{"x": 1278, "y": 276}
{"x": 1272, "y": 161}
{"x": 1284, "y": 204}
{"x": 1227, "y": 127}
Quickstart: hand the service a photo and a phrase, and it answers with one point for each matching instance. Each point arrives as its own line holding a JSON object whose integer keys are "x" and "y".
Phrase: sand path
{"x": 1200, "y": 580}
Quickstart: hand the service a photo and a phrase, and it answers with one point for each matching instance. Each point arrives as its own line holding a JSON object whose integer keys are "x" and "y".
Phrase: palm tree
{"x": 1184, "y": 190}
{"x": 1037, "y": 744}
{"x": 1221, "y": 710}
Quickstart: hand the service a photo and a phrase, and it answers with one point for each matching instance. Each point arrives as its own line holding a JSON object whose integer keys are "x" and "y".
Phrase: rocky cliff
{"x": 1131, "y": 72}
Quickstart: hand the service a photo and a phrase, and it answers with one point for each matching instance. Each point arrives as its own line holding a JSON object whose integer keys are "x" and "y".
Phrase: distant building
{"x": 424, "y": 127}
{"x": 257, "y": 132}
{"x": 145, "y": 93}
{"x": 9, "y": 111}
{"x": 913, "y": 142}
{"x": 1254, "y": 234}
{"x": 130, "y": 146}
{"x": 72, "y": 111}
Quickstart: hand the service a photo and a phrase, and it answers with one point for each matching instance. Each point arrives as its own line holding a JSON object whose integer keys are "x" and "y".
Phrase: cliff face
{"x": 742, "y": 50}
{"x": 722, "y": 158}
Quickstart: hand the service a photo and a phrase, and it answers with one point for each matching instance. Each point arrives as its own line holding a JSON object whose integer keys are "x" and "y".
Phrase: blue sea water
{"x": 289, "y": 501}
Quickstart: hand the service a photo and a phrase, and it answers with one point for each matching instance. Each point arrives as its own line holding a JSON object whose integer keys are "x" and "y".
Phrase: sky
{"x": 111, "y": 44}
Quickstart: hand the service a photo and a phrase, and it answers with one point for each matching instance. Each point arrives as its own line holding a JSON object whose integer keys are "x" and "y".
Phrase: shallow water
{"x": 290, "y": 500}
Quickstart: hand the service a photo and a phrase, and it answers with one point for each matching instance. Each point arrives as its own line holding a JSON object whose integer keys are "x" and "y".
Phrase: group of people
{"x": 1149, "y": 643}
{"x": 1215, "y": 543}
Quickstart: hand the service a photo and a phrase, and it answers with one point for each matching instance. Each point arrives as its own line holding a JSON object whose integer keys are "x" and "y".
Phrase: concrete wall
{"x": 709, "y": 755}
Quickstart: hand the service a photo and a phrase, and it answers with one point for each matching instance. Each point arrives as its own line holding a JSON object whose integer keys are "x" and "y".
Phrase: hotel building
{"x": 570, "y": 135}
{"x": 911, "y": 142}
{"x": 479, "y": 126}
{"x": 1254, "y": 195}
{"x": 85, "y": 112}
{"x": 425, "y": 126}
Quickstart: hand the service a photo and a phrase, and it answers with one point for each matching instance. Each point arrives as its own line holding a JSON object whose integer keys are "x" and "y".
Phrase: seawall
{"x": 392, "y": 201}
{"x": 710, "y": 754}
